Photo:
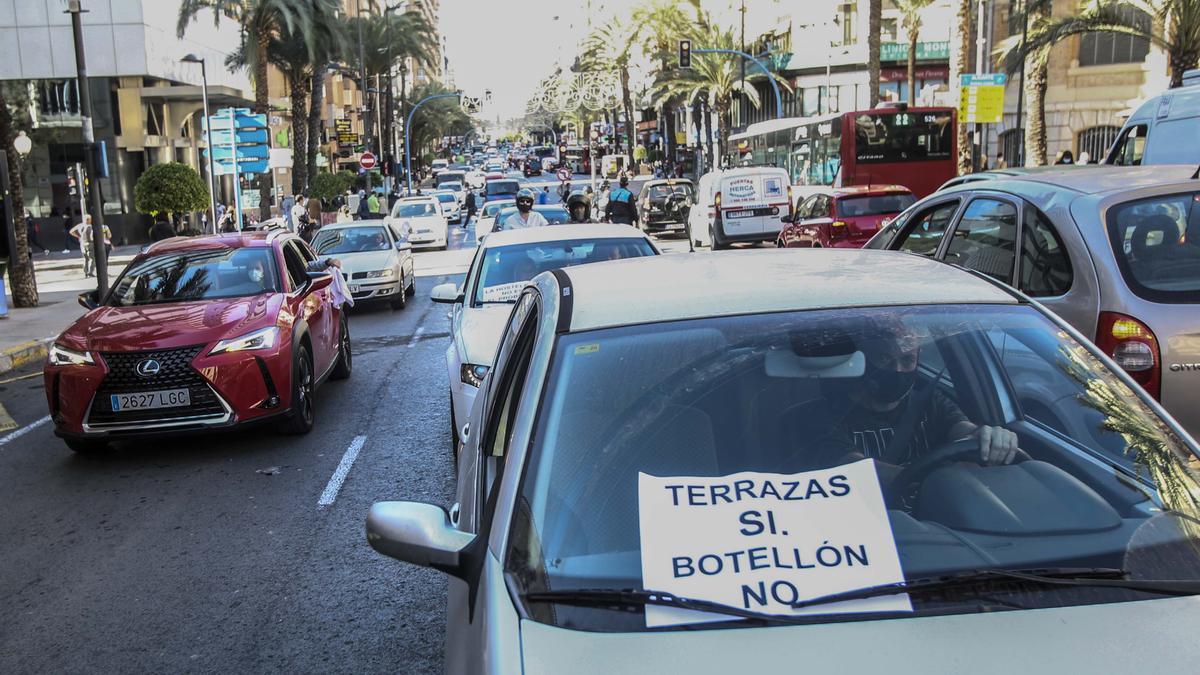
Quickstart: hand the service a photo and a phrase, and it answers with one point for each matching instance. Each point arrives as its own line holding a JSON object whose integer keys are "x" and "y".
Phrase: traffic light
{"x": 685, "y": 53}
{"x": 72, "y": 184}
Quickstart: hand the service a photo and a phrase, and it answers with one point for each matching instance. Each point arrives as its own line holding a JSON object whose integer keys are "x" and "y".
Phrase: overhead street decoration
{"x": 592, "y": 91}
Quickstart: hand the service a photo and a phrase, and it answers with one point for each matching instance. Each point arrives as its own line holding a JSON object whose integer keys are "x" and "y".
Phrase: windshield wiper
{"x": 637, "y": 597}
{"x": 1055, "y": 576}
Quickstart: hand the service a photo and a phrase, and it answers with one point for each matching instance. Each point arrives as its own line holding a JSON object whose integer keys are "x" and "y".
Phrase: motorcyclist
{"x": 525, "y": 215}
{"x": 622, "y": 205}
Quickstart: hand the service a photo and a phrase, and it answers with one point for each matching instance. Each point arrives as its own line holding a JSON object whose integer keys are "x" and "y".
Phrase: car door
{"x": 922, "y": 233}
{"x": 1047, "y": 271}
{"x": 403, "y": 249}
{"x": 815, "y": 229}
{"x": 984, "y": 237}
{"x": 790, "y": 236}
{"x": 314, "y": 306}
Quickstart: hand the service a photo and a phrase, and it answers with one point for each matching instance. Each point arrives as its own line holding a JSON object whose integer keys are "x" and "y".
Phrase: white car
{"x": 739, "y": 205}
{"x": 487, "y": 216}
{"x": 422, "y": 219}
{"x": 689, "y": 464}
{"x": 376, "y": 259}
{"x": 451, "y": 208}
{"x": 458, "y": 188}
{"x": 438, "y": 166}
{"x": 503, "y": 264}
{"x": 476, "y": 179}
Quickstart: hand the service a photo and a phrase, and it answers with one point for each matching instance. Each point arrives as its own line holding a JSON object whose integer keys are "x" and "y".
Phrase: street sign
{"x": 981, "y": 98}
{"x": 225, "y": 168}
{"x": 367, "y": 161}
{"x": 564, "y": 174}
{"x": 242, "y": 118}
{"x": 244, "y": 152}
{"x": 225, "y": 136}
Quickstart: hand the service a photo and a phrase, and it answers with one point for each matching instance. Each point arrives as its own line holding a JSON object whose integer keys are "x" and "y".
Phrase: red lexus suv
{"x": 199, "y": 334}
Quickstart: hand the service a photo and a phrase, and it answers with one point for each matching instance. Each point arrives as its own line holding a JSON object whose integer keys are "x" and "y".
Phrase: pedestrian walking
{"x": 221, "y": 209}
{"x": 373, "y": 204}
{"x": 621, "y": 206}
{"x": 364, "y": 209}
{"x": 82, "y": 232}
{"x": 315, "y": 207}
{"x": 471, "y": 206}
{"x": 1000, "y": 163}
{"x": 31, "y": 233}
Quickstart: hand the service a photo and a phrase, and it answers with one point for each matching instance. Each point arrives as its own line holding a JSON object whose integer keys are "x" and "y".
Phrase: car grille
{"x": 176, "y": 373}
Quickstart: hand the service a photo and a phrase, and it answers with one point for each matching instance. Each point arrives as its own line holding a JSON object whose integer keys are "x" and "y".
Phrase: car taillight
{"x": 837, "y": 229}
{"x": 717, "y": 200}
{"x": 1133, "y": 346}
{"x": 790, "y": 203}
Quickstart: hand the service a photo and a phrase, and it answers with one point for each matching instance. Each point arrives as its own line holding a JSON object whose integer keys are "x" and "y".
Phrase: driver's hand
{"x": 997, "y": 445}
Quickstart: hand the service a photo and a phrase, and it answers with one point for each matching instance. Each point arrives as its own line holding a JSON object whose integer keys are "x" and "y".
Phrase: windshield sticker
{"x": 587, "y": 349}
{"x": 762, "y": 541}
{"x": 504, "y": 292}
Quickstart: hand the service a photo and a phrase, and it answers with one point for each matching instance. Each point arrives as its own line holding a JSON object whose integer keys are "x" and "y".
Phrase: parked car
{"x": 421, "y": 219}
{"x": 1113, "y": 250}
{"x": 740, "y": 205}
{"x": 622, "y": 437}
{"x": 663, "y": 204}
{"x": 376, "y": 259}
{"x": 1164, "y": 129}
{"x": 504, "y": 263}
{"x": 845, "y": 217}
{"x": 199, "y": 334}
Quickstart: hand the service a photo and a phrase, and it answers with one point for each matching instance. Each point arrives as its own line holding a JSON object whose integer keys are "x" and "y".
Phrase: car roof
{"x": 1088, "y": 179}
{"x": 729, "y": 283}
{"x": 244, "y": 239}
{"x": 353, "y": 223}
{"x": 529, "y": 235}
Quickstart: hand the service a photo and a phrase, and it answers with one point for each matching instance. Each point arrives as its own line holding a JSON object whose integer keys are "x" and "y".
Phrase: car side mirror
{"x": 403, "y": 245}
{"x": 90, "y": 299}
{"x": 446, "y": 293}
{"x": 417, "y": 533}
{"x": 319, "y": 280}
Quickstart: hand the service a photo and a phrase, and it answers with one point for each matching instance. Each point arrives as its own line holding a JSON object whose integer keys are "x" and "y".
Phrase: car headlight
{"x": 381, "y": 274}
{"x": 61, "y": 356}
{"x": 473, "y": 374}
{"x": 260, "y": 339}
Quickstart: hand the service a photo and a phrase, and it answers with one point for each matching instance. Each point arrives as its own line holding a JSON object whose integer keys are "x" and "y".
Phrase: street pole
{"x": 237, "y": 176}
{"x": 408, "y": 129}
{"x": 366, "y": 97}
{"x": 99, "y": 254}
{"x": 212, "y": 175}
{"x": 761, "y": 66}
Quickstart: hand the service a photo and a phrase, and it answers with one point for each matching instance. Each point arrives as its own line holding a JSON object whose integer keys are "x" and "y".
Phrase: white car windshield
{"x": 504, "y": 270}
{"x": 351, "y": 240}
{"x": 1099, "y": 480}
{"x": 413, "y": 210}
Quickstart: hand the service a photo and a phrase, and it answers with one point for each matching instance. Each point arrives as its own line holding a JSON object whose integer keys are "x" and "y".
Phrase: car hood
{"x": 420, "y": 221}
{"x": 480, "y": 330}
{"x": 366, "y": 261}
{"x": 1141, "y": 637}
{"x": 178, "y": 324}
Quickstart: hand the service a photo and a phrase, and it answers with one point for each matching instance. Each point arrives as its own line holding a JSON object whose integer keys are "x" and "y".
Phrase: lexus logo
{"x": 148, "y": 368}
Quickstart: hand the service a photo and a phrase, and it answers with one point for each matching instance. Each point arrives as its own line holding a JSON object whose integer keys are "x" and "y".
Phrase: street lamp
{"x": 23, "y": 144}
{"x": 212, "y": 186}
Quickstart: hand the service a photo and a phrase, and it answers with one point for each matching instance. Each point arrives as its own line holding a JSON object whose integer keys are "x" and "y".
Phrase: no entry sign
{"x": 367, "y": 161}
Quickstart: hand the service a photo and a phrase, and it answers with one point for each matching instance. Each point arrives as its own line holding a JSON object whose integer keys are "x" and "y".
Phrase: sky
{"x": 508, "y": 46}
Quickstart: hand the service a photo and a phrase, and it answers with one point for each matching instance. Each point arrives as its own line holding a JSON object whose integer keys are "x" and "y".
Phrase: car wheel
{"x": 716, "y": 245}
{"x": 453, "y": 428}
{"x": 345, "y": 362}
{"x": 400, "y": 301}
{"x": 412, "y": 287}
{"x": 300, "y": 420}
{"x": 87, "y": 447}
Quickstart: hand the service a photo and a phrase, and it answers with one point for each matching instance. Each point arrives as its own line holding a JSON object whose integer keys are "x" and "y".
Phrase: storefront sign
{"x": 763, "y": 541}
{"x": 926, "y": 51}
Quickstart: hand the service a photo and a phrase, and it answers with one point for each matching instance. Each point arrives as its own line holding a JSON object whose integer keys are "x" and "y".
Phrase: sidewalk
{"x": 25, "y": 335}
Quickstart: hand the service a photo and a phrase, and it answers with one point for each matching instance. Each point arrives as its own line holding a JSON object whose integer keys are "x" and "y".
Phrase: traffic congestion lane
{"x": 216, "y": 552}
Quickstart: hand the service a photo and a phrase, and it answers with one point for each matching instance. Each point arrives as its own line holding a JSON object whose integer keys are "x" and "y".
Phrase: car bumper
{"x": 366, "y": 291}
{"x": 227, "y": 391}
{"x": 659, "y": 223}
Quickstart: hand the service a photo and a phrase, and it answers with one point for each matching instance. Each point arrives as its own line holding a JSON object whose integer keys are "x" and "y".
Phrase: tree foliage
{"x": 170, "y": 188}
{"x": 327, "y": 185}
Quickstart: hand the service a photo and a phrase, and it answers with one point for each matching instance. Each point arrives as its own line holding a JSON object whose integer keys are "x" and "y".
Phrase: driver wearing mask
{"x": 859, "y": 417}
{"x": 525, "y": 215}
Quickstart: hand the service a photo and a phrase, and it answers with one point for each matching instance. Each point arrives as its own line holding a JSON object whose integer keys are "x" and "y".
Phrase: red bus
{"x": 913, "y": 147}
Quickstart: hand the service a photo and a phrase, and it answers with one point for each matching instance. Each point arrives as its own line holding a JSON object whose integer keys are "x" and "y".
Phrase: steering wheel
{"x": 966, "y": 449}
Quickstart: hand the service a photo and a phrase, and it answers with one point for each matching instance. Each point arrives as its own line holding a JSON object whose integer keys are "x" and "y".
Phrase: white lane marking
{"x": 415, "y": 336}
{"x": 23, "y": 430}
{"x": 340, "y": 473}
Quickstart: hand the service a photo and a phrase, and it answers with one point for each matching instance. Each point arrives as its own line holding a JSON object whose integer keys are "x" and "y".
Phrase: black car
{"x": 532, "y": 167}
{"x": 663, "y": 204}
{"x": 501, "y": 188}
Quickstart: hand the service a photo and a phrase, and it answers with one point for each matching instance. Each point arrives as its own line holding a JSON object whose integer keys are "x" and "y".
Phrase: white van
{"x": 740, "y": 205}
{"x": 1163, "y": 130}
{"x": 438, "y": 166}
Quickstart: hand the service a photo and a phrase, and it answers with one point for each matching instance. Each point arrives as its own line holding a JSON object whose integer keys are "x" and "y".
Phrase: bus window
{"x": 902, "y": 136}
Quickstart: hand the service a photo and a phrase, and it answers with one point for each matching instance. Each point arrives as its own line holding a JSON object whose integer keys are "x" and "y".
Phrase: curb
{"x": 22, "y": 354}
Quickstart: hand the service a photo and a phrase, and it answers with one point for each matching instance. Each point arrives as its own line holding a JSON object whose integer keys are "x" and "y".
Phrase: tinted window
{"x": 297, "y": 270}
{"x": 927, "y": 228}
{"x": 1157, "y": 245}
{"x": 1045, "y": 266}
{"x": 877, "y": 205}
{"x": 503, "y": 187}
{"x": 504, "y": 270}
{"x": 985, "y": 239}
{"x": 820, "y": 207}
{"x": 902, "y": 137}
{"x": 196, "y": 275}
{"x": 351, "y": 240}
{"x": 413, "y": 210}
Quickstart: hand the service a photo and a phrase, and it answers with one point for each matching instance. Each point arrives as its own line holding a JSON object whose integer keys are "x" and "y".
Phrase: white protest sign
{"x": 762, "y": 541}
{"x": 504, "y": 292}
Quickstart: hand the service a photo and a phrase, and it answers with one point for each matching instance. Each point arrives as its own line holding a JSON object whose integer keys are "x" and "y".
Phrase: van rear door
{"x": 752, "y": 201}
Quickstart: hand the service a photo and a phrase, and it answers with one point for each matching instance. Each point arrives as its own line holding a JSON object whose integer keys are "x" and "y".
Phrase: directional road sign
{"x": 981, "y": 99}
{"x": 225, "y": 136}
{"x": 564, "y": 174}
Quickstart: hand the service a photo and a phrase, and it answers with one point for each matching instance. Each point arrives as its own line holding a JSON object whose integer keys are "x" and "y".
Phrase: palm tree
{"x": 960, "y": 59}
{"x": 874, "y": 19}
{"x": 910, "y": 19}
{"x": 610, "y": 46}
{"x": 1034, "y": 52}
{"x": 24, "y": 286}
{"x": 660, "y": 25}
{"x": 713, "y": 80}
{"x": 261, "y": 21}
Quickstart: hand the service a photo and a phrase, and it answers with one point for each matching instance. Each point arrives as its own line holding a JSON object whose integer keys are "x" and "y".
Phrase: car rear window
{"x": 1157, "y": 245}
{"x": 875, "y": 205}
{"x": 503, "y": 187}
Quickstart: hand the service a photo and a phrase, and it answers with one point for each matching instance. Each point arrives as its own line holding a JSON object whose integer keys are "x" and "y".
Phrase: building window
{"x": 1101, "y": 49}
{"x": 889, "y": 30}
{"x": 848, "y": 19}
{"x": 1096, "y": 141}
{"x": 1012, "y": 144}
{"x": 59, "y": 98}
